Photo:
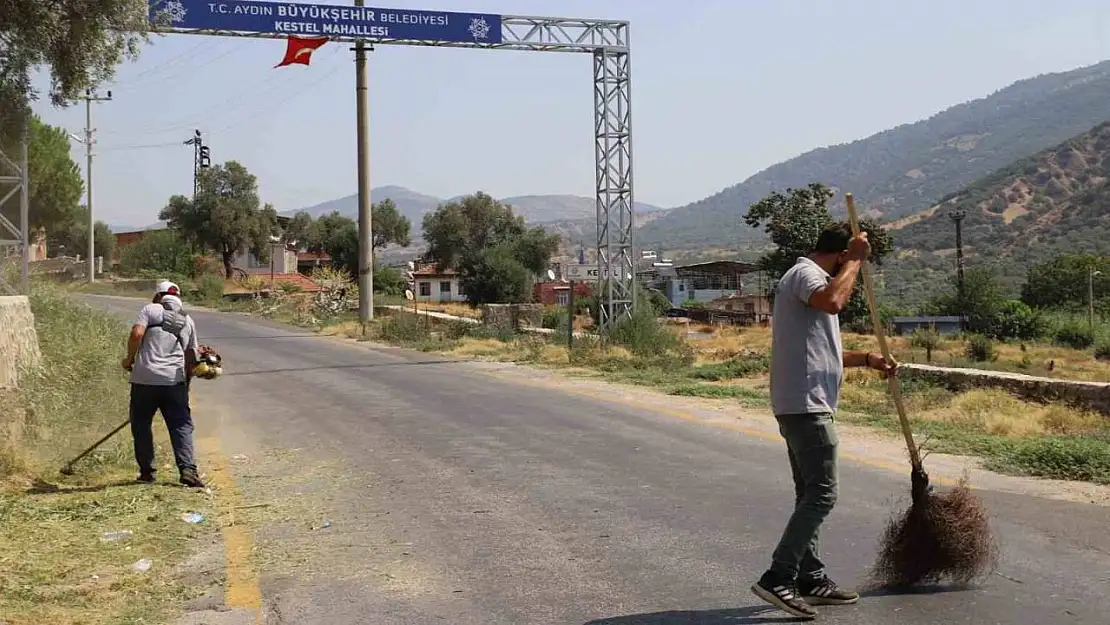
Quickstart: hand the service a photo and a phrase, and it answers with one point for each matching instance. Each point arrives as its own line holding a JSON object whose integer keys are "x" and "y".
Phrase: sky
{"x": 721, "y": 89}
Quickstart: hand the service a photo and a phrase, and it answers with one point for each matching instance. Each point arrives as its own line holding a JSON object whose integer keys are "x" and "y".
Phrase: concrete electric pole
{"x": 91, "y": 97}
{"x": 365, "y": 227}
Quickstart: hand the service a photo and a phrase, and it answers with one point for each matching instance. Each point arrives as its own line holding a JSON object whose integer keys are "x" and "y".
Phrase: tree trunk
{"x": 229, "y": 269}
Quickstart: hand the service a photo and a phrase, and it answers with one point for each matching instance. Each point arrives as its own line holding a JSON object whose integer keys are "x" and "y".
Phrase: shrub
{"x": 741, "y": 366}
{"x": 1074, "y": 335}
{"x": 403, "y": 328}
{"x": 210, "y": 287}
{"x": 1102, "y": 350}
{"x": 158, "y": 251}
{"x": 552, "y": 317}
{"x": 389, "y": 281}
{"x": 927, "y": 339}
{"x": 1061, "y": 457}
{"x": 980, "y": 348}
{"x": 1016, "y": 320}
{"x": 650, "y": 342}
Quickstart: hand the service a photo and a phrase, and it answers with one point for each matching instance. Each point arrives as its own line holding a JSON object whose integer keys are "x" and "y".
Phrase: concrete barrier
{"x": 1093, "y": 396}
{"x": 19, "y": 344}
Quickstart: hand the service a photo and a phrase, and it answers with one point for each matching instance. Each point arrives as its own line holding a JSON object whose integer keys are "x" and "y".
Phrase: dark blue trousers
{"x": 173, "y": 403}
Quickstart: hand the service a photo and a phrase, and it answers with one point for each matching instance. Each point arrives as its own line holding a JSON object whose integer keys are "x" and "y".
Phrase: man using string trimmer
{"x": 807, "y": 369}
{"x": 162, "y": 351}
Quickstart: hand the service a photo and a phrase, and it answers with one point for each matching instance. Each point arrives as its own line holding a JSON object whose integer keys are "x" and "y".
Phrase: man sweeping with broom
{"x": 807, "y": 369}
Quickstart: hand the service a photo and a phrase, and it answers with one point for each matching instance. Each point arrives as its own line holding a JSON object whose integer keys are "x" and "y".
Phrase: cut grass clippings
{"x": 56, "y": 567}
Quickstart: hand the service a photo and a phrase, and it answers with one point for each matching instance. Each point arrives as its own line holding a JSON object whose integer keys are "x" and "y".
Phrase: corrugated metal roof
{"x": 939, "y": 319}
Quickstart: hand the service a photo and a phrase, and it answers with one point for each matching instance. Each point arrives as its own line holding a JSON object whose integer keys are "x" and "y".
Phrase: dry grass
{"x": 58, "y": 570}
{"x": 452, "y": 308}
{"x": 1029, "y": 358}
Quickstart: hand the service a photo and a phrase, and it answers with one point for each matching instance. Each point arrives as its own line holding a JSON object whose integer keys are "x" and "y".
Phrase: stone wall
{"x": 19, "y": 345}
{"x": 513, "y": 316}
{"x": 1087, "y": 395}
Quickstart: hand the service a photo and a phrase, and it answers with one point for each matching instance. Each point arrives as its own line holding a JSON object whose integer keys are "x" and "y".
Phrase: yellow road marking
{"x": 242, "y": 589}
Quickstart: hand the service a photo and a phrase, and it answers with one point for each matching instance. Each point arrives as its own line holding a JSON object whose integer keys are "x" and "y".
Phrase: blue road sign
{"x": 281, "y": 19}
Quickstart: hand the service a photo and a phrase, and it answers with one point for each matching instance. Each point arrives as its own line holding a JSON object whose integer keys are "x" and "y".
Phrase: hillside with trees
{"x": 911, "y": 167}
{"x": 1052, "y": 203}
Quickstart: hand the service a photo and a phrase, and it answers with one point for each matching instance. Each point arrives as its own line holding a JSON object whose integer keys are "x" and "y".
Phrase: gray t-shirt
{"x": 807, "y": 359}
{"x": 161, "y": 360}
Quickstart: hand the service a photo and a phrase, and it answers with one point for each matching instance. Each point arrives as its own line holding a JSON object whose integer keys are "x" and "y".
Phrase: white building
{"x": 436, "y": 285}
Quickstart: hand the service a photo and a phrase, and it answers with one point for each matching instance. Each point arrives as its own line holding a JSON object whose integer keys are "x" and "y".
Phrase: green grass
{"x": 56, "y": 568}
{"x": 1072, "y": 457}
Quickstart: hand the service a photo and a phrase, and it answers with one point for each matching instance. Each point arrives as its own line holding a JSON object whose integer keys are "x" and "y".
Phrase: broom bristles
{"x": 943, "y": 537}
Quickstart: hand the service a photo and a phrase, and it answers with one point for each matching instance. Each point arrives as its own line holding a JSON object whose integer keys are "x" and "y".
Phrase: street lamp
{"x": 1091, "y": 298}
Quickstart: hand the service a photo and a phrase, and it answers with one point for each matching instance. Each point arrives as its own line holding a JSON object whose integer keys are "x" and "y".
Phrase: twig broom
{"x": 943, "y": 536}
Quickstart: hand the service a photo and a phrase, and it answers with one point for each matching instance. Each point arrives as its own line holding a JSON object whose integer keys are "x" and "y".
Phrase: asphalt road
{"x": 457, "y": 495}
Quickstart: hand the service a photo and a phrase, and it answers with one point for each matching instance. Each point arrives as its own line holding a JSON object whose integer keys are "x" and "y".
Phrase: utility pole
{"x": 195, "y": 141}
{"x": 202, "y": 159}
{"x": 365, "y": 227}
{"x": 1091, "y": 273}
{"x": 957, "y": 216}
{"x": 91, "y": 97}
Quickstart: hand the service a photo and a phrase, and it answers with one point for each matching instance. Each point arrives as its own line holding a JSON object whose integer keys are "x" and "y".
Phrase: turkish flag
{"x": 299, "y": 50}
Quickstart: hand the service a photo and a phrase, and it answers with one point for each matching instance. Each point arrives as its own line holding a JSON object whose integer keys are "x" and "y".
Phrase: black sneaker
{"x": 146, "y": 477}
{"x": 825, "y": 592}
{"x": 191, "y": 479}
{"x": 783, "y": 595}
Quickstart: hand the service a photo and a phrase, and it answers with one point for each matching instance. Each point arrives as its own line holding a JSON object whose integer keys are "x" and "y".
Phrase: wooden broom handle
{"x": 895, "y": 387}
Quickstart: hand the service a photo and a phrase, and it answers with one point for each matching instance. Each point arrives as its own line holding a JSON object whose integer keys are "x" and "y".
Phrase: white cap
{"x": 172, "y": 301}
{"x": 167, "y": 287}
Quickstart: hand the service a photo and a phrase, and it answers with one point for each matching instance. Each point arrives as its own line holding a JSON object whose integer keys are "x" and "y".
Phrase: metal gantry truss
{"x": 14, "y": 179}
{"x": 608, "y": 42}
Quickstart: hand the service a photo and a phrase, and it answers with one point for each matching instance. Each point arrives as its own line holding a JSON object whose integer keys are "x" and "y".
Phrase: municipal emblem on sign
{"x": 479, "y": 29}
{"x": 175, "y": 11}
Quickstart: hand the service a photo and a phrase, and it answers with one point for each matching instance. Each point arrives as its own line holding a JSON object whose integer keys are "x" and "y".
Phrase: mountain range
{"x": 571, "y": 215}
{"x": 1054, "y": 202}
{"x": 909, "y": 168}
{"x": 536, "y": 209}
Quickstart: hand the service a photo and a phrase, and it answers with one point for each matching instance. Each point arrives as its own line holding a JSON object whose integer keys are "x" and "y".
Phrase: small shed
{"x": 942, "y": 324}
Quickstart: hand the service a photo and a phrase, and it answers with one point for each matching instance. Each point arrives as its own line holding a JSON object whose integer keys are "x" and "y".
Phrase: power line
{"x": 147, "y": 146}
{"x": 257, "y": 114}
{"x": 237, "y": 101}
{"x": 158, "y": 72}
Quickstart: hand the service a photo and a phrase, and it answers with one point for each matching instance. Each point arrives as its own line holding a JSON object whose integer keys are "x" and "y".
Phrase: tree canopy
{"x": 794, "y": 219}
{"x": 226, "y": 216}
{"x": 56, "y": 183}
{"x": 1061, "y": 283}
{"x": 81, "y": 41}
{"x": 71, "y": 236}
{"x": 389, "y": 225}
{"x": 337, "y": 235}
{"x": 495, "y": 253}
